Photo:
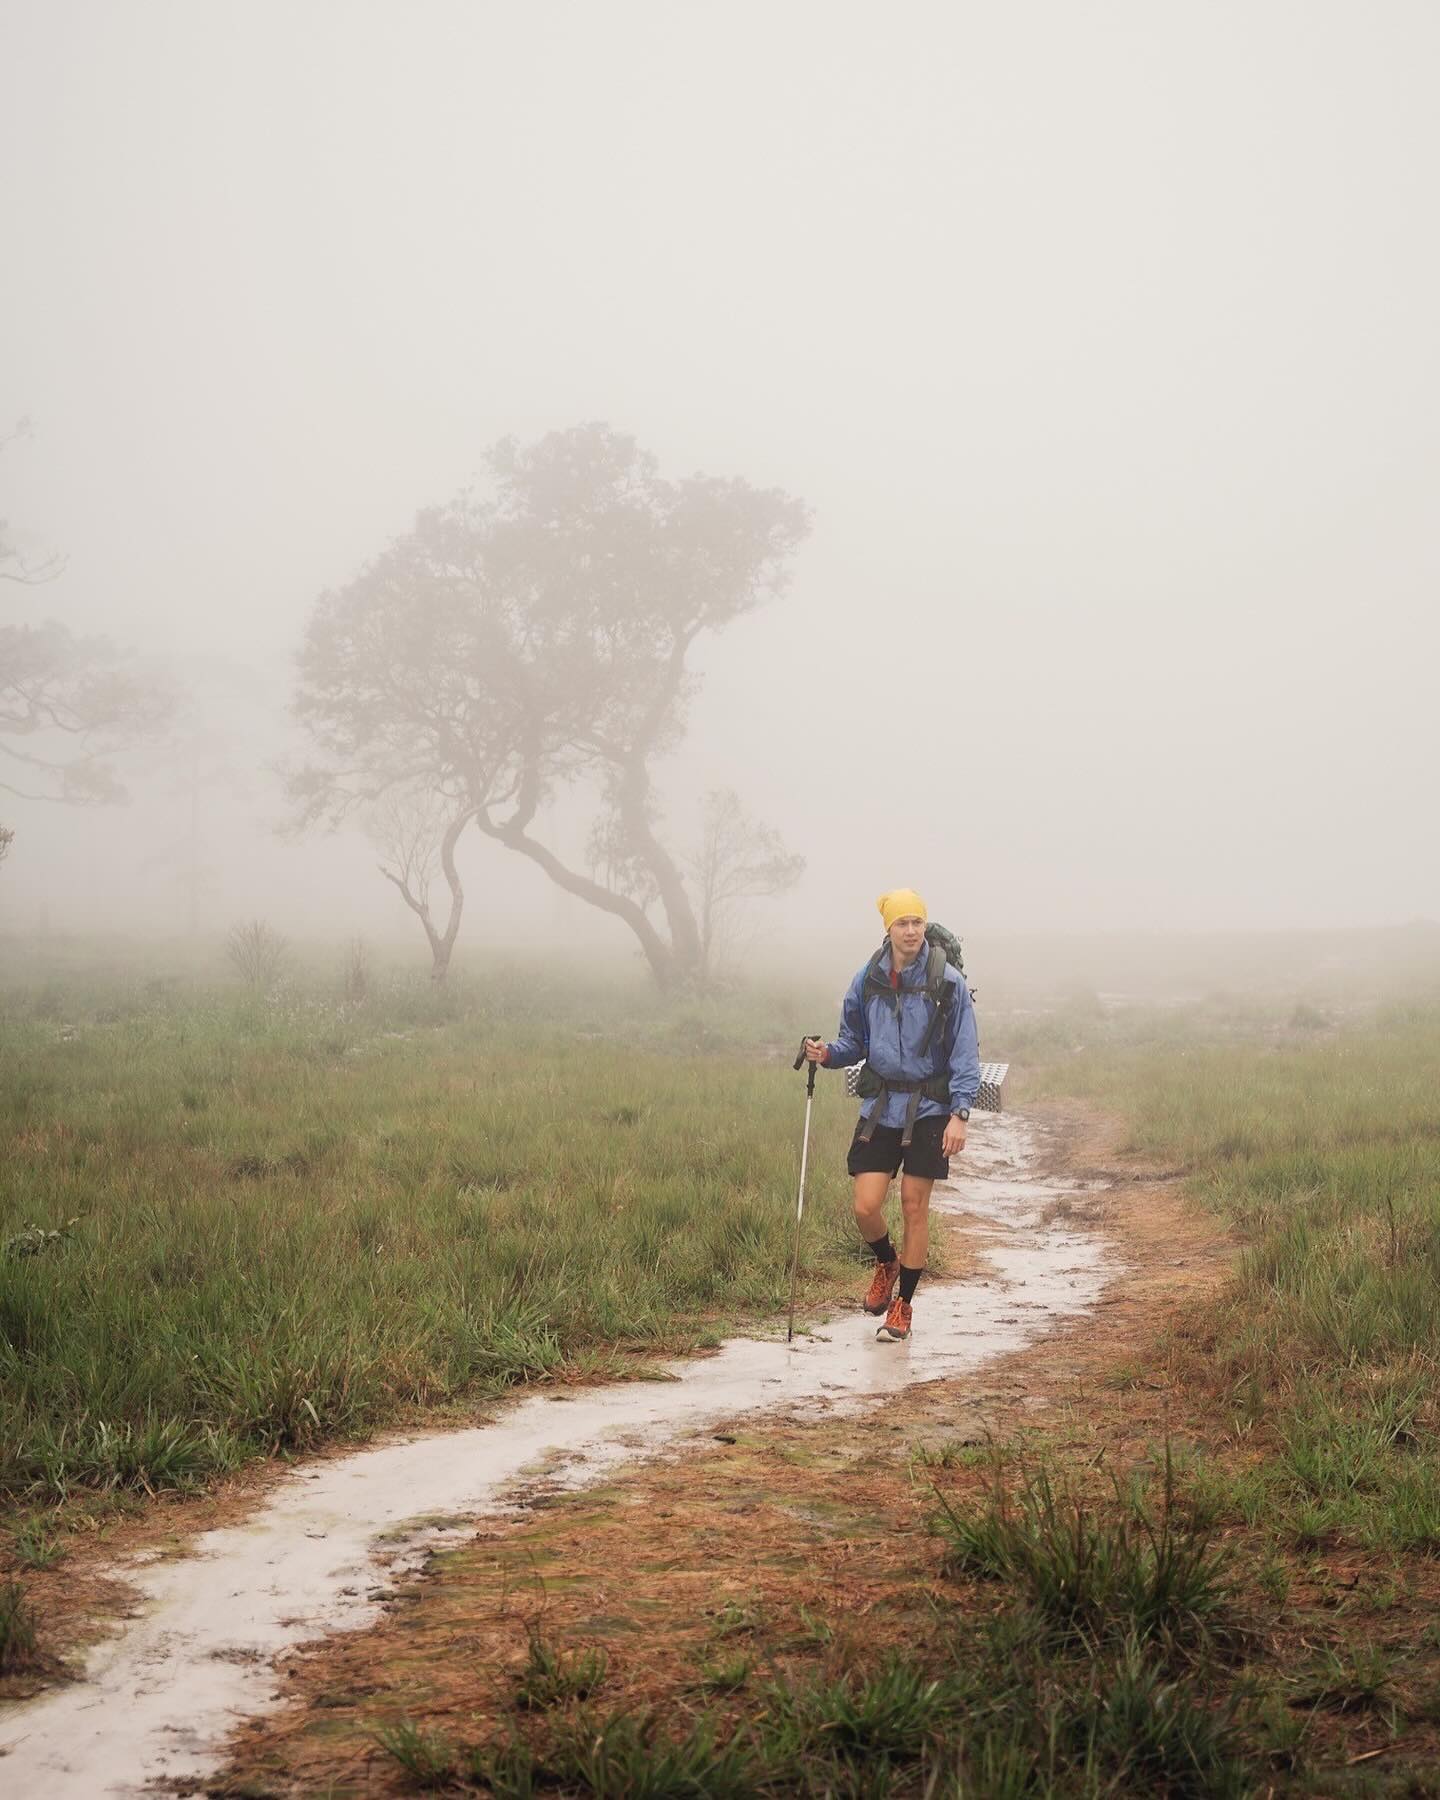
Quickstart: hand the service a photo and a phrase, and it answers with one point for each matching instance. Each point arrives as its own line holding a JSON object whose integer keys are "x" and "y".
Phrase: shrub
{"x": 257, "y": 953}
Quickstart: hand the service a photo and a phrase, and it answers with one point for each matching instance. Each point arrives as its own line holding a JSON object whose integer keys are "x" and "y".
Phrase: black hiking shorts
{"x": 883, "y": 1154}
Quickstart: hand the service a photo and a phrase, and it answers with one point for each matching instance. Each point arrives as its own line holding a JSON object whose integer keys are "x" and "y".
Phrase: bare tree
{"x": 737, "y": 859}
{"x": 538, "y": 638}
{"x": 7, "y": 838}
{"x": 416, "y": 834}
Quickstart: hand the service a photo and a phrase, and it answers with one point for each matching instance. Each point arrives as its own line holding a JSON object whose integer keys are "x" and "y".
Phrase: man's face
{"x": 907, "y": 935}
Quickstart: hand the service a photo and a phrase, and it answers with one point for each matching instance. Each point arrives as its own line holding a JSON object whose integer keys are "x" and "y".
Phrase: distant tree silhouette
{"x": 68, "y": 705}
{"x": 538, "y": 638}
{"x": 737, "y": 859}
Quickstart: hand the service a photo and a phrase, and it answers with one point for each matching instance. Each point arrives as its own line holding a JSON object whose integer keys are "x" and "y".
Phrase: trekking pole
{"x": 800, "y": 1199}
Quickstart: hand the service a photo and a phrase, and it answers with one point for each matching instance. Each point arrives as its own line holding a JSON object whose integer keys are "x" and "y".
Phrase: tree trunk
{"x": 657, "y": 952}
{"x": 441, "y": 942}
{"x": 440, "y": 948}
{"x": 633, "y": 799}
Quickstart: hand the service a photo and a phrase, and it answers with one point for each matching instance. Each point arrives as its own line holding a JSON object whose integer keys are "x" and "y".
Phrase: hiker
{"x": 908, "y": 1016}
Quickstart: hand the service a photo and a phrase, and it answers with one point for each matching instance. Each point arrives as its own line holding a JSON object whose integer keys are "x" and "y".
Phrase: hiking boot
{"x": 883, "y": 1286}
{"x": 897, "y": 1322}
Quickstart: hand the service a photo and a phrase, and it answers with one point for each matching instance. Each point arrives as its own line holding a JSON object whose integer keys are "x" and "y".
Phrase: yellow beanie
{"x": 902, "y": 903}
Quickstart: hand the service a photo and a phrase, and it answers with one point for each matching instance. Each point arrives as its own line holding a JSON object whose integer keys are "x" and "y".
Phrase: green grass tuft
{"x": 427, "y": 1757}
{"x": 1096, "y": 1579}
{"x": 19, "y": 1644}
{"x": 555, "y": 1677}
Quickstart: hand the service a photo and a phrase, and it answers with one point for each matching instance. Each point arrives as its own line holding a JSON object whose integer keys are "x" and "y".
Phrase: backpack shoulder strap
{"x": 939, "y": 992}
{"x": 874, "y": 984}
{"x": 876, "y": 981}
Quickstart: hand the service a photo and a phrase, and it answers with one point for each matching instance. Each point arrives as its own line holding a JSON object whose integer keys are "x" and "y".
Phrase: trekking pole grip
{"x": 799, "y": 1060}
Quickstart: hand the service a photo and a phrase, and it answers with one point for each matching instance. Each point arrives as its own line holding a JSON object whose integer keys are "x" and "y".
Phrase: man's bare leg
{"x": 870, "y": 1193}
{"x": 915, "y": 1205}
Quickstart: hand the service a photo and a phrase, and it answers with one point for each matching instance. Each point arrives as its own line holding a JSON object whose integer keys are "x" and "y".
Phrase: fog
{"x": 1099, "y": 340}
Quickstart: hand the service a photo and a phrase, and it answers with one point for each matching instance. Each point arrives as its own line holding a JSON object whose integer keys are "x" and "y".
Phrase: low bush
{"x": 1120, "y": 1577}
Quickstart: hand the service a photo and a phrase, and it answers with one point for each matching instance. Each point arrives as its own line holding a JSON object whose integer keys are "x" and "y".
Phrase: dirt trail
{"x": 159, "y": 1699}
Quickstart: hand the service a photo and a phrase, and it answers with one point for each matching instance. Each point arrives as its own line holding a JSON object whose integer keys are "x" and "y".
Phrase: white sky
{"x": 1100, "y": 337}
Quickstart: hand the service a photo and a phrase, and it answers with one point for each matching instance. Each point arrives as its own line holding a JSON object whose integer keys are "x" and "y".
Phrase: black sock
{"x": 884, "y": 1250}
{"x": 909, "y": 1281}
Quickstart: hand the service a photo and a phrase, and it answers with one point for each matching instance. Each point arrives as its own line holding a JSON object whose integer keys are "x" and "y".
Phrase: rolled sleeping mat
{"x": 991, "y": 1097}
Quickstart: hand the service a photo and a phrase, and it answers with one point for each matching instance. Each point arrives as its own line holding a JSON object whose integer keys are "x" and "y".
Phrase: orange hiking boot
{"x": 883, "y": 1286}
{"x": 897, "y": 1322}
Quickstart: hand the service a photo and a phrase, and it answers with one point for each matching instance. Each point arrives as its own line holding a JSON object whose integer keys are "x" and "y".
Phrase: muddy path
{"x": 327, "y": 1547}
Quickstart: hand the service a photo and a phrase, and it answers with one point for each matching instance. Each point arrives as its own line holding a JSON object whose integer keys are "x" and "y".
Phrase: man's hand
{"x": 953, "y": 1141}
{"x": 815, "y": 1050}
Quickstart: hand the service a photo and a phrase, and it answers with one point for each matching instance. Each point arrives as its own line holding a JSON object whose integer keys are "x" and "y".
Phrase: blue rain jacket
{"x": 889, "y": 1039}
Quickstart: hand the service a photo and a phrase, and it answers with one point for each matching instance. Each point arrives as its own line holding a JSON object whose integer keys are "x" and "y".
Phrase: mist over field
{"x": 1096, "y": 343}
{"x": 518, "y": 522}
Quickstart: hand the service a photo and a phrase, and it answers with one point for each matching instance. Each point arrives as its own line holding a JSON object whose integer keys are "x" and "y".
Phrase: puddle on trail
{"x": 158, "y": 1699}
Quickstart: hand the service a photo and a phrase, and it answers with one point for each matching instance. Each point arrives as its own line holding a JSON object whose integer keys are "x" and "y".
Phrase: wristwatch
{"x": 962, "y": 1112}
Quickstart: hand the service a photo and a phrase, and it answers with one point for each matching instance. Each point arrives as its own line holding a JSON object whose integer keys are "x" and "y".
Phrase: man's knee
{"x": 870, "y": 1196}
{"x": 915, "y": 1197}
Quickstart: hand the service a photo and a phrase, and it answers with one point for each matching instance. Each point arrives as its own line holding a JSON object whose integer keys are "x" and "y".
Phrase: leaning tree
{"x": 536, "y": 636}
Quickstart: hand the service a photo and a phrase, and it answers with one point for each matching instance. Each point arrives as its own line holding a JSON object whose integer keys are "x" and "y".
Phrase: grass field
{"x": 1325, "y": 1156}
{"x": 1252, "y": 1614}
{"x": 231, "y": 1226}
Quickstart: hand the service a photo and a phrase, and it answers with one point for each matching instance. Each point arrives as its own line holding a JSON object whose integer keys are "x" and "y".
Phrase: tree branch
{"x": 418, "y": 907}
{"x": 514, "y": 838}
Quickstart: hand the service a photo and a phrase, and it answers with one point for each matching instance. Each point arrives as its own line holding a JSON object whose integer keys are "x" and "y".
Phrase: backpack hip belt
{"x": 937, "y": 1087}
